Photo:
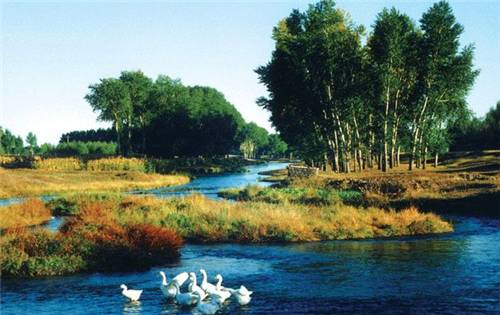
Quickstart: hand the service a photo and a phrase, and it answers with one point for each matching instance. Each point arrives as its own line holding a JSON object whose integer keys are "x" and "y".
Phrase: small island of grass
{"x": 104, "y": 230}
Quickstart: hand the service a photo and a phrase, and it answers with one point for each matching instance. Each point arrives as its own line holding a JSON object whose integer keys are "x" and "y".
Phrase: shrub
{"x": 63, "y": 207}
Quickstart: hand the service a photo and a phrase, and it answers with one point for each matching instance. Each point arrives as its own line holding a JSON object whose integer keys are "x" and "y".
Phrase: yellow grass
{"x": 28, "y": 182}
{"x": 30, "y": 212}
{"x": 55, "y": 164}
{"x": 198, "y": 218}
{"x": 117, "y": 164}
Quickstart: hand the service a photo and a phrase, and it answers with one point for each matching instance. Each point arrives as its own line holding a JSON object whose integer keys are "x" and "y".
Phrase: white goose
{"x": 168, "y": 289}
{"x": 132, "y": 295}
{"x": 193, "y": 287}
{"x": 205, "y": 285}
{"x": 186, "y": 299}
{"x": 220, "y": 292}
{"x": 242, "y": 295}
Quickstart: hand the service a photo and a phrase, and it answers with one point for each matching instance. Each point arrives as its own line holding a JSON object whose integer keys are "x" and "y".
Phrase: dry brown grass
{"x": 28, "y": 182}
{"x": 30, "y": 212}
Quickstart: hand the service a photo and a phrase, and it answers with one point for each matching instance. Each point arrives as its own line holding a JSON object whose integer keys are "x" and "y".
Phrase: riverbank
{"x": 36, "y": 182}
{"x": 121, "y": 228}
{"x": 29, "y": 177}
{"x": 465, "y": 183}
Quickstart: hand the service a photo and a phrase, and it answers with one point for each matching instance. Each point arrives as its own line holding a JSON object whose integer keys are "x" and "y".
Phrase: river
{"x": 455, "y": 273}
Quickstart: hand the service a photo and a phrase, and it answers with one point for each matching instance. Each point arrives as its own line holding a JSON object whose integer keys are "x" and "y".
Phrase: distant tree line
{"x": 165, "y": 118}
{"x": 468, "y": 133}
{"x": 14, "y": 145}
{"x": 350, "y": 104}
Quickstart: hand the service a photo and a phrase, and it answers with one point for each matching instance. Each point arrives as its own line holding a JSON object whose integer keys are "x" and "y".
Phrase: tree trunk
{"x": 416, "y": 127}
{"x": 370, "y": 142}
{"x": 118, "y": 138}
{"x": 436, "y": 159}
{"x": 384, "y": 139}
{"x": 424, "y": 162}
{"x": 398, "y": 156}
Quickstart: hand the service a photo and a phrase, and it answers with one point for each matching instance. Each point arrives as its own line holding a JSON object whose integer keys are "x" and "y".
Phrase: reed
{"x": 117, "y": 164}
{"x": 28, "y": 213}
{"x": 57, "y": 164}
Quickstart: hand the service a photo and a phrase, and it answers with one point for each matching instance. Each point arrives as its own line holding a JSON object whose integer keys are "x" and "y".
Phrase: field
{"x": 31, "y": 182}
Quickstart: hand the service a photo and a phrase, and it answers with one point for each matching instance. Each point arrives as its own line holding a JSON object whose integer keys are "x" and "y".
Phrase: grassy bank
{"x": 29, "y": 182}
{"x": 106, "y": 230}
{"x": 466, "y": 183}
{"x": 193, "y": 166}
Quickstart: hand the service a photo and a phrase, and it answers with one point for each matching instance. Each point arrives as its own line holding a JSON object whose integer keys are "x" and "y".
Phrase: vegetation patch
{"x": 91, "y": 241}
{"x": 111, "y": 232}
{"x": 300, "y": 195}
{"x": 28, "y": 213}
{"x": 27, "y": 182}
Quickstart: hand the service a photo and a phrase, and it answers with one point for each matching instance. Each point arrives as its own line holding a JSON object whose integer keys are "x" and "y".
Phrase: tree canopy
{"x": 344, "y": 104}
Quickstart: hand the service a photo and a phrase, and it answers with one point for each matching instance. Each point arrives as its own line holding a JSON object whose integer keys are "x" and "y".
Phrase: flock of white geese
{"x": 207, "y": 297}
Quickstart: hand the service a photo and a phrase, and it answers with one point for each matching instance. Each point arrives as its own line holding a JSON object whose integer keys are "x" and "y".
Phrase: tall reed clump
{"x": 117, "y": 164}
{"x": 28, "y": 213}
{"x": 92, "y": 240}
{"x": 57, "y": 164}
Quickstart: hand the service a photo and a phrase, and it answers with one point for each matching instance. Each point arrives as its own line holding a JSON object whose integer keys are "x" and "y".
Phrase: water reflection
{"x": 133, "y": 307}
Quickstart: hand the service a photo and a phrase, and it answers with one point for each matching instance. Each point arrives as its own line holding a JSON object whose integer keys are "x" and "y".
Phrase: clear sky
{"x": 52, "y": 51}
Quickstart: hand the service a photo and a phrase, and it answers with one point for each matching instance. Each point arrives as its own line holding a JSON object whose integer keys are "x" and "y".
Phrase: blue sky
{"x": 52, "y": 51}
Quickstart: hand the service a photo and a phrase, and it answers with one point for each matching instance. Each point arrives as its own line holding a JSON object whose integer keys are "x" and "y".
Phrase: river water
{"x": 455, "y": 273}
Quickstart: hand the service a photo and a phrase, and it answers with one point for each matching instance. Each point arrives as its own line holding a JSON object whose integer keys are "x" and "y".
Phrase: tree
{"x": 10, "y": 143}
{"x": 315, "y": 80}
{"x": 258, "y": 136}
{"x": 445, "y": 75}
{"x": 139, "y": 86}
{"x": 32, "y": 142}
{"x": 112, "y": 100}
{"x": 341, "y": 104}
{"x": 190, "y": 121}
{"x": 247, "y": 147}
{"x": 276, "y": 147}
{"x": 391, "y": 50}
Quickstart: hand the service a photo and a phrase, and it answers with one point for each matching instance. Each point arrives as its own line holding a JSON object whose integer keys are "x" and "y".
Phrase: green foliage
{"x": 97, "y": 135}
{"x": 470, "y": 133}
{"x": 334, "y": 100}
{"x": 276, "y": 147}
{"x": 164, "y": 118}
{"x": 63, "y": 207}
{"x": 9, "y": 143}
{"x": 32, "y": 142}
{"x": 79, "y": 148}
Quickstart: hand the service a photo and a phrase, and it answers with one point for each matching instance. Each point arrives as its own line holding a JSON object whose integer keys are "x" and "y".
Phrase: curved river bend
{"x": 456, "y": 273}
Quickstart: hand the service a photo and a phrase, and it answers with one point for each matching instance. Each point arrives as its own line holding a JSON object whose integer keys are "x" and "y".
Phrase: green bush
{"x": 63, "y": 207}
